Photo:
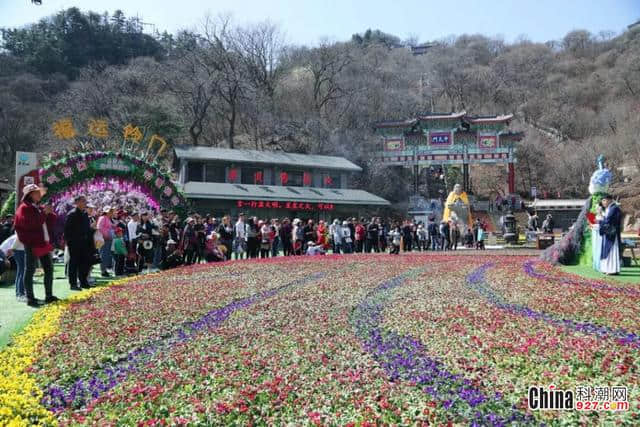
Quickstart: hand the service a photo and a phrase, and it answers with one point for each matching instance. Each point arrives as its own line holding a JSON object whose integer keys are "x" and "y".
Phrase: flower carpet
{"x": 337, "y": 340}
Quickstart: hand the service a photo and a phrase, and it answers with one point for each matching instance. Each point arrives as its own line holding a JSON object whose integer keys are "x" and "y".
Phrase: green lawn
{"x": 627, "y": 274}
{"x": 15, "y": 315}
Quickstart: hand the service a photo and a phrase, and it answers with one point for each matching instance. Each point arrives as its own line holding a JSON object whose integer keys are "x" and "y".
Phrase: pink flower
{"x": 148, "y": 174}
{"x": 159, "y": 182}
{"x": 168, "y": 191}
{"x": 67, "y": 172}
{"x": 81, "y": 166}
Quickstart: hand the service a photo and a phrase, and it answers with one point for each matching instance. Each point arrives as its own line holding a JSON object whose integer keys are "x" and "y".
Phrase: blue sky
{"x": 307, "y": 21}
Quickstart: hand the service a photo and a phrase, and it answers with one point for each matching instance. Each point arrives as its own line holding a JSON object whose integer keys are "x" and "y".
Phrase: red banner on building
{"x": 299, "y": 206}
{"x": 306, "y": 179}
{"x": 487, "y": 142}
{"x": 257, "y": 177}
{"x": 284, "y": 178}
{"x": 393, "y": 145}
{"x": 233, "y": 174}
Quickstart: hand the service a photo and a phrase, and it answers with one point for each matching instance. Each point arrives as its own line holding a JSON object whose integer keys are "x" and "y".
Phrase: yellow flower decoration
{"x": 98, "y": 128}
{"x": 20, "y": 396}
{"x": 163, "y": 144}
{"x": 132, "y": 133}
{"x": 63, "y": 129}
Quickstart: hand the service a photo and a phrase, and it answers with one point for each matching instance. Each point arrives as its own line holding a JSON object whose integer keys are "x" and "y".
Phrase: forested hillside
{"x": 246, "y": 86}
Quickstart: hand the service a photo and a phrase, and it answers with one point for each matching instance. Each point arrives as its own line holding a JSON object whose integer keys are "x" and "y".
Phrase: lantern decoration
{"x": 284, "y": 178}
{"x": 306, "y": 179}
{"x": 328, "y": 181}
{"x": 233, "y": 174}
{"x": 257, "y": 177}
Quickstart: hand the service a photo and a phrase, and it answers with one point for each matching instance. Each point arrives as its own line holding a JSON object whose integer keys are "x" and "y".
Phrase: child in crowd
{"x": 119, "y": 249}
{"x": 396, "y": 240}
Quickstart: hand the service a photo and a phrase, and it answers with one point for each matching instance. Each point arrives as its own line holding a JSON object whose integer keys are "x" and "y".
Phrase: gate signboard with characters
{"x": 449, "y": 139}
{"x": 26, "y": 172}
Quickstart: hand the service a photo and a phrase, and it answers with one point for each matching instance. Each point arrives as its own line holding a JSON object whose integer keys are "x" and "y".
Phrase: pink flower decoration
{"x": 52, "y": 178}
{"x": 81, "y": 166}
{"x": 67, "y": 172}
{"x": 168, "y": 191}
{"x": 159, "y": 182}
{"x": 148, "y": 175}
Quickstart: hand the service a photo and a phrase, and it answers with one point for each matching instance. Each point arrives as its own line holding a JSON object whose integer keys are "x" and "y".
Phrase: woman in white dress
{"x": 610, "y": 228}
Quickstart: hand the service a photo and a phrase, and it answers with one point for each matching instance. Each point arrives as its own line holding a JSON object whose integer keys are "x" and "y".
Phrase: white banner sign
{"x": 25, "y": 163}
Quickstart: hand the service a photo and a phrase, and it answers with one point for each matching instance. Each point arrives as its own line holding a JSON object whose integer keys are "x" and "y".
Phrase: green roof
{"x": 190, "y": 152}
{"x": 227, "y": 191}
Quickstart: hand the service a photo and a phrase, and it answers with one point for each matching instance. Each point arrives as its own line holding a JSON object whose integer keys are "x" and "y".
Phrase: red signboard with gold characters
{"x": 276, "y": 204}
{"x": 393, "y": 145}
{"x": 487, "y": 142}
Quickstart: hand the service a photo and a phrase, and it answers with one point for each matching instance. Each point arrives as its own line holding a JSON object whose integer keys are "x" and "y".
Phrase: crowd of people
{"x": 125, "y": 242}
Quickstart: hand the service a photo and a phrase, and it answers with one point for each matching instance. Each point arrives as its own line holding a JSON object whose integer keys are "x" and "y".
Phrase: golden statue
{"x": 457, "y": 206}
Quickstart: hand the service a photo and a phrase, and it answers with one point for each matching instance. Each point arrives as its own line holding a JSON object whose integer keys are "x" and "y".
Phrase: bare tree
{"x": 326, "y": 63}
{"x": 193, "y": 80}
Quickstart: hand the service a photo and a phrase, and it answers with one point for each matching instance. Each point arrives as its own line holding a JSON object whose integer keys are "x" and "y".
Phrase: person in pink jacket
{"x": 106, "y": 228}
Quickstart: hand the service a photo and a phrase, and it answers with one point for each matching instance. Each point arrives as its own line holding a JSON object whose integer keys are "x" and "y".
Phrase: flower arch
{"x": 103, "y": 170}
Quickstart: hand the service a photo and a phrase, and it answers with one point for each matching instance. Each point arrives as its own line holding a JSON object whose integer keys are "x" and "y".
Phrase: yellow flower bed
{"x": 20, "y": 395}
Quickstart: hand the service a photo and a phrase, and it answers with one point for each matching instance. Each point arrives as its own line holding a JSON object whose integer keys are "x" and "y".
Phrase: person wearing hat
{"x": 189, "y": 241}
{"x": 212, "y": 250}
{"x": 32, "y": 224}
{"x": 106, "y": 228}
{"x": 174, "y": 256}
{"x": 78, "y": 235}
{"x": 145, "y": 241}
{"x": 610, "y": 228}
{"x": 313, "y": 249}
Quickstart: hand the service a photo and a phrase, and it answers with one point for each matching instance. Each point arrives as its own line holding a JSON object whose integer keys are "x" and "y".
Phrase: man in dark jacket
{"x": 309, "y": 234}
{"x": 434, "y": 234}
{"x": 79, "y": 237}
{"x": 372, "y": 236}
{"x": 285, "y": 237}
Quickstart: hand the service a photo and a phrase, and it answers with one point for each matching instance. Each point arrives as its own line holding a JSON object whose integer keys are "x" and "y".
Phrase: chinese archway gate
{"x": 455, "y": 139}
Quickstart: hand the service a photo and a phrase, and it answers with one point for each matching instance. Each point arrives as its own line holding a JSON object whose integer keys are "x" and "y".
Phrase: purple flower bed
{"x": 405, "y": 358}
{"x": 58, "y": 397}
{"x": 476, "y": 281}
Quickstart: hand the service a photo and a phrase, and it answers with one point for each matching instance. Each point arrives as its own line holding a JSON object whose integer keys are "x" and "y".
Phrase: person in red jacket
{"x": 33, "y": 225}
{"x": 360, "y": 234}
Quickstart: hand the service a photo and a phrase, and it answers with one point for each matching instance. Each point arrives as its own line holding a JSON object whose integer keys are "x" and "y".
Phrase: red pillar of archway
{"x": 511, "y": 180}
